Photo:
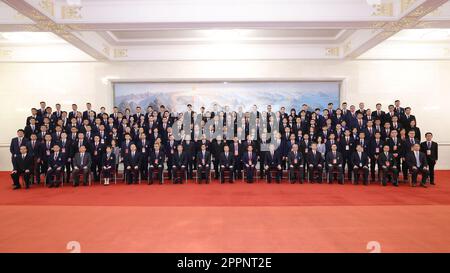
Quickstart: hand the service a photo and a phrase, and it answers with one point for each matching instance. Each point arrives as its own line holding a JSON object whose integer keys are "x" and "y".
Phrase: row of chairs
{"x": 228, "y": 174}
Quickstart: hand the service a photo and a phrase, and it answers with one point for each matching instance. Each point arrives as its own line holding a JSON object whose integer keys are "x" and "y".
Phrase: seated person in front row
{"x": 249, "y": 160}
{"x": 388, "y": 165}
{"x": 272, "y": 163}
{"x": 226, "y": 164}
{"x": 203, "y": 164}
{"x": 22, "y": 166}
{"x": 55, "y": 167}
{"x": 179, "y": 165}
{"x": 108, "y": 165}
{"x": 334, "y": 164}
{"x": 295, "y": 160}
{"x": 157, "y": 159}
{"x": 360, "y": 162}
{"x": 81, "y": 165}
{"x": 315, "y": 163}
{"x": 417, "y": 163}
{"x": 131, "y": 162}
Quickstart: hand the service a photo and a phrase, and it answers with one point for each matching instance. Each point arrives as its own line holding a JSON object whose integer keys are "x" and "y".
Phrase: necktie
{"x": 56, "y": 156}
{"x": 417, "y": 159}
{"x": 23, "y": 156}
{"x": 429, "y": 144}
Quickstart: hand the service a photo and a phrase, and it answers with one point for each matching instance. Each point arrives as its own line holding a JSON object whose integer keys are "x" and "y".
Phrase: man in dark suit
{"x": 430, "y": 148}
{"x": 189, "y": 148}
{"x": 376, "y": 147}
{"x": 55, "y": 167}
{"x": 236, "y": 151}
{"x": 170, "y": 150}
{"x": 157, "y": 159}
{"x": 272, "y": 163}
{"x": 22, "y": 166}
{"x": 226, "y": 164}
{"x": 347, "y": 146}
{"x": 315, "y": 163}
{"x": 389, "y": 168}
{"x": 216, "y": 149}
{"x": 296, "y": 161}
{"x": 360, "y": 163}
{"x": 31, "y": 128}
{"x": 97, "y": 155}
{"x": 16, "y": 143}
{"x": 417, "y": 163}
{"x": 203, "y": 164}
{"x": 132, "y": 162}
{"x": 143, "y": 146}
{"x": 378, "y": 113}
{"x": 249, "y": 159}
{"x": 179, "y": 165}
{"x": 81, "y": 165}
{"x": 334, "y": 165}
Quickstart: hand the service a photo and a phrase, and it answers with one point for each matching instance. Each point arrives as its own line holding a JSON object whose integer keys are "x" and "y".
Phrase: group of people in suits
{"x": 68, "y": 145}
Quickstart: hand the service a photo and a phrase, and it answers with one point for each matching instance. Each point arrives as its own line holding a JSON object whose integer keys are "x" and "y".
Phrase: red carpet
{"x": 226, "y": 218}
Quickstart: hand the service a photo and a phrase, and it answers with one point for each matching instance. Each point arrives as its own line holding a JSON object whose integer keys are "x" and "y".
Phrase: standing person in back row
{"x": 430, "y": 148}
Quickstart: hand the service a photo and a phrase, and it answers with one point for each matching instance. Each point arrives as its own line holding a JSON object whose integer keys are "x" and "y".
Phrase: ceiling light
{"x": 225, "y": 34}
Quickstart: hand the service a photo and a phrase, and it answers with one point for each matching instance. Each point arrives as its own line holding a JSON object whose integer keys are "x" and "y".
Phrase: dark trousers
{"x": 203, "y": 173}
{"x": 76, "y": 176}
{"x": 16, "y": 178}
{"x": 132, "y": 174}
{"x": 416, "y": 171}
{"x": 178, "y": 174}
{"x": 390, "y": 172}
{"x": 277, "y": 172}
{"x": 95, "y": 168}
{"x": 296, "y": 173}
{"x": 357, "y": 171}
{"x": 315, "y": 168}
{"x": 431, "y": 164}
{"x": 237, "y": 167}
{"x": 335, "y": 171}
{"x": 190, "y": 167}
{"x": 108, "y": 172}
{"x": 216, "y": 167}
{"x": 230, "y": 174}
{"x": 143, "y": 169}
{"x": 157, "y": 171}
{"x": 250, "y": 170}
{"x": 347, "y": 162}
{"x": 405, "y": 169}
{"x": 54, "y": 176}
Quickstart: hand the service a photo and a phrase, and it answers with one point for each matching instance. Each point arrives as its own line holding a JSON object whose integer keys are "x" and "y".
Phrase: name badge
{"x": 360, "y": 164}
{"x": 428, "y": 152}
{"x": 377, "y": 150}
{"x": 63, "y": 150}
{"x": 295, "y": 161}
{"x": 143, "y": 150}
{"x": 156, "y": 161}
{"x": 48, "y": 152}
{"x": 395, "y": 148}
{"x": 306, "y": 150}
{"x": 347, "y": 147}
{"x": 102, "y": 141}
{"x": 334, "y": 161}
{"x": 388, "y": 163}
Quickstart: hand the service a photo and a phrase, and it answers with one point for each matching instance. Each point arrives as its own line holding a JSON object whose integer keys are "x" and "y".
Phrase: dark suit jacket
{"x": 200, "y": 158}
{"x": 315, "y": 160}
{"x": 109, "y": 161}
{"x": 330, "y": 157}
{"x": 411, "y": 160}
{"x": 14, "y": 147}
{"x": 356, "y": 160}
{"x": 246, "y": 159}
{"x": 21, "y": 165}
{"x": 433, "y": 156}
{"x": 272, "y": 161}
{"x": 383, "y": 159}
{"x": 131, "y": 161}
{"x": 227, "y": 161}
{"x": 292, "y": 157}
{"x": 60, "y": 161}
{"x": 179, "y": 160}
{"x": 161, "y": 157}
{"x": 87, "y": 161}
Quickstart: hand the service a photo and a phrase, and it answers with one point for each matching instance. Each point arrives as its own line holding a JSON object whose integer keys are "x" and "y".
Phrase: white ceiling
{"x": 113, "y": 30}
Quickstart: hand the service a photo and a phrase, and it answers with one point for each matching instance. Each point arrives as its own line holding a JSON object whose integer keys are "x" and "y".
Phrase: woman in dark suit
{"x": 108, "y": 165}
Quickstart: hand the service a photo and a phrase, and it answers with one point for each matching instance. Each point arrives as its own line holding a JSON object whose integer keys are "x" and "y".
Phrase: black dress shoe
{"x": 432, "y": 183}
{"x": 16, "y": 187}
{"x": 413, "y": 185}
{"x": 395, "y": 184}
{"x": 423, "y": 185}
